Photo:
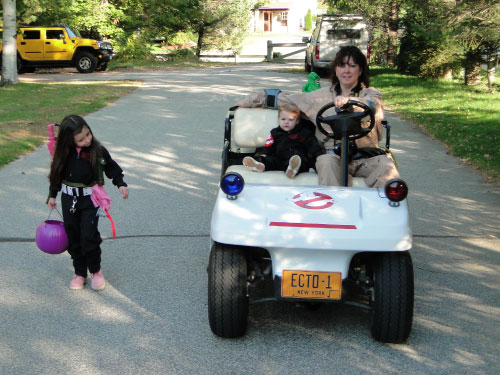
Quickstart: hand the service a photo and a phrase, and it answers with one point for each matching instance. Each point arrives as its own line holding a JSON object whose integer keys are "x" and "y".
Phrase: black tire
{"x": 102, "y": 67}
{"x": 19, "y": 65}
{"x": 307, "y": 66}
{"x": 392, "y": 313}
{"x": 85, "y": 62}
{"x": 227, "y": 291}
{"x": 28, "y": 69}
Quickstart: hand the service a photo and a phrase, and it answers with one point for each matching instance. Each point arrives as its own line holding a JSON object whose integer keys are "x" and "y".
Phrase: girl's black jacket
{"x": 79, "y": 170}
{"x": 299, "y": 141}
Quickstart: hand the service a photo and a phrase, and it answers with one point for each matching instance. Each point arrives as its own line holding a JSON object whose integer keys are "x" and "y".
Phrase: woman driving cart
{"x": 350, "y": 81}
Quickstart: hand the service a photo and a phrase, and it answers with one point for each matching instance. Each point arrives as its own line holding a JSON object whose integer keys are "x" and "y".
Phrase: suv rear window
{"x": 31, "y": 34}
{"x": 343, "y": 34}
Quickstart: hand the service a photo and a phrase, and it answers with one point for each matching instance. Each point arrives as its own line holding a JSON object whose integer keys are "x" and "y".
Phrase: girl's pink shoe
{"x": 77, "y": 282}
{"x": 98, "y": 282}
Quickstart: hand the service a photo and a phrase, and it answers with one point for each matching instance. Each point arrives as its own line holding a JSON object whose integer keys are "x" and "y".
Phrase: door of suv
{"x": 30, "y": 45}
{"x": 57, "y": 45}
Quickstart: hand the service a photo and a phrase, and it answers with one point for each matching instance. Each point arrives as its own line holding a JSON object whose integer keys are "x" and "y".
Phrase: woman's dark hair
{"x": 70, "y": 126}
{"x": 359, "y": 58}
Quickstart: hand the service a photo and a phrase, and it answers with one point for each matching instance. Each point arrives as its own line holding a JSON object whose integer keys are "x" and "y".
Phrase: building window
{"x": 283, "y": 16}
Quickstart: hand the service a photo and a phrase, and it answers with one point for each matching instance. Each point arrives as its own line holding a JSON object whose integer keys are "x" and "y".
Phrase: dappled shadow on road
{"x": 156, "y": 322}
{"x": 152, "y": 318}
{"x": 446, "y": 197}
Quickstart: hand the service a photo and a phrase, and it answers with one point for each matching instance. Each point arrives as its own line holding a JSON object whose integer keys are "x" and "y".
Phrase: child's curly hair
{"x": 289, "y": 108}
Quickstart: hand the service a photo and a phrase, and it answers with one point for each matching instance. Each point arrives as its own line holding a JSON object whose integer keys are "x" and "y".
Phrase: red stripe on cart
{"x": 311, "y": 225}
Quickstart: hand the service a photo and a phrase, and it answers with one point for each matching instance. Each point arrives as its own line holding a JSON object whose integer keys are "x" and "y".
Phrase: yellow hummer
{"x": 59, "y": 46}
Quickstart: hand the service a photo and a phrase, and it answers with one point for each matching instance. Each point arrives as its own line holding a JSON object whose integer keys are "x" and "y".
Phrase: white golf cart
{"x": 275, "y": 238}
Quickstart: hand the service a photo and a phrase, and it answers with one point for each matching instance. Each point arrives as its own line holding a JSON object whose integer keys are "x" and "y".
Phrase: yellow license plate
{"x": 311, "y": 284}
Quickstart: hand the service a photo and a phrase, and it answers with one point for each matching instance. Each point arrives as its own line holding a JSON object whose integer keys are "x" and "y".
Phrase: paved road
{"x": 152, "y": 318}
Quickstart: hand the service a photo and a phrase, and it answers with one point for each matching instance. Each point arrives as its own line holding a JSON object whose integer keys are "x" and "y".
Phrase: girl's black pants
{"x": 83, "y": 236}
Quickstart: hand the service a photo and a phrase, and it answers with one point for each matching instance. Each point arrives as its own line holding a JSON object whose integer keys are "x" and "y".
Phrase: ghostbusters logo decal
{"x": 313, "y": 200}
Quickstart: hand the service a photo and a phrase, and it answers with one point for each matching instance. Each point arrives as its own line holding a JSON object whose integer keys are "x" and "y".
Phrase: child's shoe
{"x": 97, "y": 282}
{"x": 77, "y": 282}
{"x": 293, "y": 166}
{"x": 253, "y": 164}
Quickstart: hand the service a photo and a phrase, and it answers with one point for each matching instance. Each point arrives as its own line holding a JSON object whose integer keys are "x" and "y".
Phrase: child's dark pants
{"x": 83, "y": 235}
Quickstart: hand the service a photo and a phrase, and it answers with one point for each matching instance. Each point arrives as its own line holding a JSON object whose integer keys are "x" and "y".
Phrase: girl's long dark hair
{"x": 70, "y": 126}
{"x": 359, "y": 58}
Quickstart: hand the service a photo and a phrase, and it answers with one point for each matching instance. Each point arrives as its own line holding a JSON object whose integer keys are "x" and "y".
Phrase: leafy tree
{"x": 443, "y": 35}
{"x": 308, "y": 21}
{"x": 476, "y": 29}
{"x": 91, "y": 17}
{"x": 220, "y": 23}
{"x": 427, "y": 47}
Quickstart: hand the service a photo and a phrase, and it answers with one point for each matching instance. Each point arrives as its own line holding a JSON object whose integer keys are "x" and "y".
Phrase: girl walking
{"x": 78, "y": 164}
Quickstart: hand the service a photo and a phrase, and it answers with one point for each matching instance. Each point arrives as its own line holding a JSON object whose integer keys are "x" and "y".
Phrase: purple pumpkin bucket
{"x": 51, "y": 237}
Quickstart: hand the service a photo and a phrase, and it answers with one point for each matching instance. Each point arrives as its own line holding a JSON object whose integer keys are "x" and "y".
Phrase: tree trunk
{"x": 472, "y": 67}
{"x": 448, "y": 74}
{"x": 199, "y": 45}
{"x": 392, "y": 31}
{"x": 492, "y": 63}
{"x": 9, "y": 42}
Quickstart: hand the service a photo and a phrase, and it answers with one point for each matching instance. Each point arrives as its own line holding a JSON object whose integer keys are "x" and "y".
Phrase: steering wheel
{"x": 345, "y": 121}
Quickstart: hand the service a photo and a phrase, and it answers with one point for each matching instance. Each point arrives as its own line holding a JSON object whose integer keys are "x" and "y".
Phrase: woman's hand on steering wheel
{"x": 340, "y": 101}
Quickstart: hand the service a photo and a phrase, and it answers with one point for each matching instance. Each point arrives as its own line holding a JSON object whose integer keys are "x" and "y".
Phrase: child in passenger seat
{"x": 290, "y": 147}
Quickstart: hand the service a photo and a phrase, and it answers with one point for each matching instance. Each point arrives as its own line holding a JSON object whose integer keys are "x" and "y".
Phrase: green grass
{"x": 27, "y": 108}
{"x": 466, "y": 119}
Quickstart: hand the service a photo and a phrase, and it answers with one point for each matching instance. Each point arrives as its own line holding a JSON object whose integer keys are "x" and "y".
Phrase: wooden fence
{"x": 268, "y": 57}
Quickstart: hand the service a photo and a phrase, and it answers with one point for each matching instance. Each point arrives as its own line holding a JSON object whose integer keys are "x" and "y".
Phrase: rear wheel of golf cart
{"x": 392, "y": 298}
{"x": 227, "y": 291}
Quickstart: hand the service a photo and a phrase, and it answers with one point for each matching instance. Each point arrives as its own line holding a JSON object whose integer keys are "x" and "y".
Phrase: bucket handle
{"x": 52, "y": 209}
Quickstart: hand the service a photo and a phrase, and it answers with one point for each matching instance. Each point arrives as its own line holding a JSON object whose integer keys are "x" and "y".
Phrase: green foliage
{"x": 181, "y": 38}
{"x": 426, "y": 46}
{"x": 217, "y": 24}
{"x": 438, "y": 35}
{"x": 94, "y": 18}
{"x": 308, "y": 21}
{"x": 442, "y": 36}
{"x": 183, "y": 54}
{"x": 466, "y": 119}
{"x": 221, "y": 24}
{"x": 135, "y": 47}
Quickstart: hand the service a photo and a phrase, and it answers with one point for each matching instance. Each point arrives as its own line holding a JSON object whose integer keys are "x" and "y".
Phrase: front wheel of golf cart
{"x": 392, "y": 297}
{"x": 227, "y": 291}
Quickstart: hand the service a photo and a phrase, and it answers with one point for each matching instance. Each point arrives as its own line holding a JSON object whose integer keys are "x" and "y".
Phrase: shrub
{"x": 182, "y": 54}
{"x": 135, "y": 48}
